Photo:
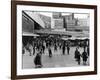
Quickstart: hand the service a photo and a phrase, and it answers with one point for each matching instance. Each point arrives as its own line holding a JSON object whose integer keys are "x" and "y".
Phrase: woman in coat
{"x": 77, "y": 56}
{"x": 37, "y": 61}
{"x": 84, "y": 56}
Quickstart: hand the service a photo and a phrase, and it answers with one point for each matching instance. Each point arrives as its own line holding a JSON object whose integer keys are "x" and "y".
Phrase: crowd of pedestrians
{"x": 38, "y": 46}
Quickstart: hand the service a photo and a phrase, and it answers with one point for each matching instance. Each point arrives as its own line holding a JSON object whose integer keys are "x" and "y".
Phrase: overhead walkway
{"x": 35, "y": 17}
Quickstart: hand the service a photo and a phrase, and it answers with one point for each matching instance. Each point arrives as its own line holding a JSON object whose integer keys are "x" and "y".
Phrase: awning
{"x": 74, "y": 38}
{"x": 29, "y": 34}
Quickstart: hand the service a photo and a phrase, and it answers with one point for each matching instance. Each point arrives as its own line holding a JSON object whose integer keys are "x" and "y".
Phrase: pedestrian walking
{"x": 68, "y": 48}
{"x": 77, "y": 56}
{"x": 28, "y": 48}
{"x": 43, "y": 48}
{"x": 23, "y": 49}
{"x": 37, "y": 61}
{"x": 60, "y": 45}
{"x": 88, "y": 50}
{"x": 50, "y": 52}
{"x": 84, "y": 56}
{"x": 55, "y": 47}
{"x": 63, "y": 49}
{"x": 33, "y": 49}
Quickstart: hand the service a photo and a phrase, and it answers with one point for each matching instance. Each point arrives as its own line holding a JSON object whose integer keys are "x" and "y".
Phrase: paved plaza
{"x": 57, "y": 60}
